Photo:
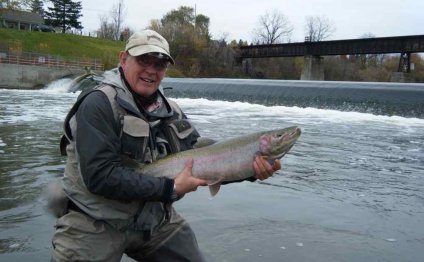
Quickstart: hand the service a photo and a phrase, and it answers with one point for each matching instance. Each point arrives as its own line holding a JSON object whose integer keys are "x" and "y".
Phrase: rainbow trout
{"x": 229, "y": 160}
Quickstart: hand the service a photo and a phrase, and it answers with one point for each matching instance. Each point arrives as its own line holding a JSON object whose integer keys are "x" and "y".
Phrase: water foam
{"x": 303, "y": 114}
{"x": 20, "y": 106}
{"x": 59, "y": 86}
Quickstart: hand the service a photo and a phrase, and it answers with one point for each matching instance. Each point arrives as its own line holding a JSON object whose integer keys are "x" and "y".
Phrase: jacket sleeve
{"x": 98, "y": 146}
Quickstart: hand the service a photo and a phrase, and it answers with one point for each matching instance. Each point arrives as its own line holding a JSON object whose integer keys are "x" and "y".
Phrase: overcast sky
{"x": 237, "y": 18}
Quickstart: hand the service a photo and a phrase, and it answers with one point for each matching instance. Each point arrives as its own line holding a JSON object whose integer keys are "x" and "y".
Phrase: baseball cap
{"x": 146, "y": 42}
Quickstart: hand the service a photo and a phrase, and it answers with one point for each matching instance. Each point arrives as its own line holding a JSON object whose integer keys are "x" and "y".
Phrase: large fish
{"x": 229, "y": 160}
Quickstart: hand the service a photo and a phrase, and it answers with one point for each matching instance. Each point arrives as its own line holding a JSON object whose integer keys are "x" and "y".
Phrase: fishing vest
{"x": 142, "y": 141}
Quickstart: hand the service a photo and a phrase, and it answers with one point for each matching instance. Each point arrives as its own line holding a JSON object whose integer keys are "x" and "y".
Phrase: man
{"x": 113, "y": 210}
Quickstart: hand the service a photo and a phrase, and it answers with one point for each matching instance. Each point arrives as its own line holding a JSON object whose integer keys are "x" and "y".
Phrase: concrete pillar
{"x": 313, "y": 68}
{"x": 32, "y": 77}
{"x": 401, "y": 77}
{"x": 247, "y": 66}
{"x": 405, "y": 66}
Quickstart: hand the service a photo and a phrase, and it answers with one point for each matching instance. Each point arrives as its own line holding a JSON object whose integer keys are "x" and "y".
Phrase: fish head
{"x": 277, "y": 143}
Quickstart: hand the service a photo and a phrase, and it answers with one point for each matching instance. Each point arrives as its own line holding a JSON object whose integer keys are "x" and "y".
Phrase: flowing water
{"x": 351, "y": 189}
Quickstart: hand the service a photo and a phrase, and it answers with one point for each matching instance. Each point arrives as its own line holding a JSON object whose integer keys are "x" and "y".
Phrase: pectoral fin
{"x": 214, "y": 187}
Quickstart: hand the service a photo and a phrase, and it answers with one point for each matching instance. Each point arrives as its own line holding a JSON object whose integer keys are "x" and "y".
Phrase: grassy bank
{"x": 64, "y": 45}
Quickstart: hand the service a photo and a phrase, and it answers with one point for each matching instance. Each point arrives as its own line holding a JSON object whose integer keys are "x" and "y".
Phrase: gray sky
{"x": 237, "y": 18}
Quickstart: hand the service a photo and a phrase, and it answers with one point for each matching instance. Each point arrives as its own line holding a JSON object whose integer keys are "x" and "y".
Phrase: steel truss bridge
{"x": 404, "y": 45}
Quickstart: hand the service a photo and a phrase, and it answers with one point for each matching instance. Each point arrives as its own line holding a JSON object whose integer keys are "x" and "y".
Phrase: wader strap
{"x": 67, "y": 136}
{"x": 110, "y": 92}
{"x": 73, "y": 111}
{"x": 175, "y": 108}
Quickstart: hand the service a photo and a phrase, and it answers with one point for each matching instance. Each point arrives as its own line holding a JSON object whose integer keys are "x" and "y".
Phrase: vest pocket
{"x": 134, "y": 137}
{"x": 181, "y": 135}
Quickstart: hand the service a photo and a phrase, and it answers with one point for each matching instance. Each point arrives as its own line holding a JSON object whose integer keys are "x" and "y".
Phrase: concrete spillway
{"x": 377, "y": 98}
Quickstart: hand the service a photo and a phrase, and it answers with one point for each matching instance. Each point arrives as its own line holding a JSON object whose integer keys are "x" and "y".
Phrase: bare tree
{"x": 117, "y": 17}
{"x": 107, "y": 29}
{"x": 368, "y": 60}
{"x": 110, "y": 25}
{"x": 272, "y": 28}
{"x": 318, "y": 28}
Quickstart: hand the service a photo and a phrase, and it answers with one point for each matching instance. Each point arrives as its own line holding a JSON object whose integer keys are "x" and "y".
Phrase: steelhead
{"x": 228, "y": 160}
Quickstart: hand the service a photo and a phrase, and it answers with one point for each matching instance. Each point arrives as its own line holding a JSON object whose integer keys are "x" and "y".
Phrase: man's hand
{"x": 263, "y": 169}
{"x": 185, "y": 182}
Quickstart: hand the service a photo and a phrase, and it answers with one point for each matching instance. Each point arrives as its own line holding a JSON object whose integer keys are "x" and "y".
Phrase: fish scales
{"x": 229, "y": 160}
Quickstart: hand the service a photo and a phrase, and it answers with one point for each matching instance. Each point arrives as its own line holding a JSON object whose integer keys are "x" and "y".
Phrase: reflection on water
{"x": 351, "y": 189}
{"x": 29, "y": 160}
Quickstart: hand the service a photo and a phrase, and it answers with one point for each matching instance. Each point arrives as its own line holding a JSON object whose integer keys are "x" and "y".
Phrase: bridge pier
{"x": 247, "y": 65}
{"x": 402, "y": 75}
{"x": 313, "y": 68}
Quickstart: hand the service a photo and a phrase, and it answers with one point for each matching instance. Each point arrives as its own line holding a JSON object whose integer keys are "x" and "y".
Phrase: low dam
{"x": 377, "y": 98}
{"x": 401, "y": 99}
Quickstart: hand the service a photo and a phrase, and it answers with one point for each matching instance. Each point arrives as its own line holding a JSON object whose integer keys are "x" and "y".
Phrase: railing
{"x": 35, "y": 59}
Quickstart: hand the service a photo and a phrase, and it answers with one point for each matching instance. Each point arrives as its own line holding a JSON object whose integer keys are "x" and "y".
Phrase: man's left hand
{"x": 263, "y": 169}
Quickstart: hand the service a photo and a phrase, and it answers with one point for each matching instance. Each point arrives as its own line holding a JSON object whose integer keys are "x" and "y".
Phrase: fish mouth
{"x": 294, "y": 134}
{"x": 287, "y": 149}
{"x": 288, "y": 140}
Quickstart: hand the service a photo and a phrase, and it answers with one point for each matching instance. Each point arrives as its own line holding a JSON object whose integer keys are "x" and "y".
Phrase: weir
{"x": 390, "y": 99}
{"x": 377, "y": 98}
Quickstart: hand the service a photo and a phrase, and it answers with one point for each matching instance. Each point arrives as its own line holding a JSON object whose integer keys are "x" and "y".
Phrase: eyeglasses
{"x": 148, "y": 60}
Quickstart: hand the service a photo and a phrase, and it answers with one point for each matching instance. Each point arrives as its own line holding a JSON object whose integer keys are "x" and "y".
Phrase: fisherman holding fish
{"x": 111, "y": 209}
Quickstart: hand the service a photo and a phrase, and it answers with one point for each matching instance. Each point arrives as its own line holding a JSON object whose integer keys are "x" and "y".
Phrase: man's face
{"x": 143, "y": 73}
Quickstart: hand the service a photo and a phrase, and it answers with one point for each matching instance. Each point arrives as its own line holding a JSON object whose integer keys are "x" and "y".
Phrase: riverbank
{"x": 67, "y": 46}
{"x": 64, "y": 46}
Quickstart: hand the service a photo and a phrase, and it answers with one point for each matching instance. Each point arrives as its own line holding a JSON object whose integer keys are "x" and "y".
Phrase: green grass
{"x": 64, "y": 45}
{"x": 67, "y": 46}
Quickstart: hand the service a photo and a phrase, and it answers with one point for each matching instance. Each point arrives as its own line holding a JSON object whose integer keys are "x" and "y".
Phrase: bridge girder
{"x": 380, "y": 45}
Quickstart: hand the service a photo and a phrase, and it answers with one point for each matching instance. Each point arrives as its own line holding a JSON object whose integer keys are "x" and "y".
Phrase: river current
{"x": 351, "y": 189}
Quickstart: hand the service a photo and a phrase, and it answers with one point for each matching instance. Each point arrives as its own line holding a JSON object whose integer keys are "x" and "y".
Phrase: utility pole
{"x": 195, "y": 23}
{"x": 195, "y": 16}
{"x": 119, "y": 20}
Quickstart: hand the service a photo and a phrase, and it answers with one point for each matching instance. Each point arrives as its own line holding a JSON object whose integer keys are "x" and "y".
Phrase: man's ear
{"x": 123, "y": 58}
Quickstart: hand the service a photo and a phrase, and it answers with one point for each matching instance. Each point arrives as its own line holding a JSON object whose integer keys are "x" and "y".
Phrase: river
{"x": 351, "y": 189}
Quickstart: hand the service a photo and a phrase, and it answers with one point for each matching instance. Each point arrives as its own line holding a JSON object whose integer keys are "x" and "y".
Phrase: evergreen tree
{"x": 37, "y": 7}
{"x": 65, "y": 14}
{"x": 11, "y": 4}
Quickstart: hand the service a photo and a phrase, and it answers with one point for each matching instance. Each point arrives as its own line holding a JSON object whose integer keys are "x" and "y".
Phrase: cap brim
{"x": 145, "y": 49}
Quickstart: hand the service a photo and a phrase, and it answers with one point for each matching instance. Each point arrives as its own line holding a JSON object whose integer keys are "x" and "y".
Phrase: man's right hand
{"x": 185, "y": 182}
